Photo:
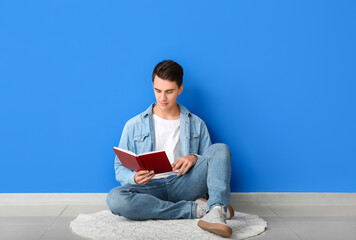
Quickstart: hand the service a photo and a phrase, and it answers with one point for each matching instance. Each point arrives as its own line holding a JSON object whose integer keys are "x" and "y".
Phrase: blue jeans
{"x": 173, "y": 197}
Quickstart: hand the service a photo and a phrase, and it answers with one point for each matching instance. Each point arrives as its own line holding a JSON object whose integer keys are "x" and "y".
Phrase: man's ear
{"x": 181, "y": 89}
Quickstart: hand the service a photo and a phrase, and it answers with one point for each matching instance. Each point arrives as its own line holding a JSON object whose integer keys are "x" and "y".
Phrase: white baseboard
{"x": 16, "y": 199}
{"x": 52, "y": 199}
{"x": 288, "y": 198}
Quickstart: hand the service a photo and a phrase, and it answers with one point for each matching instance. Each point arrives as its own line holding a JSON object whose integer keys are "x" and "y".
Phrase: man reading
{"x": 199, "y": 186}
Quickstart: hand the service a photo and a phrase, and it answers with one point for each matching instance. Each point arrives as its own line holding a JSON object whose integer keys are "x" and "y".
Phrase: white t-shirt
{"x": 167, "y": 138}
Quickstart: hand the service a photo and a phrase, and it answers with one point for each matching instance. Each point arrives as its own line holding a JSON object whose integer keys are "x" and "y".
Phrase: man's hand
{"x": 143, "y": 176}
{"x": 184, "y": 163}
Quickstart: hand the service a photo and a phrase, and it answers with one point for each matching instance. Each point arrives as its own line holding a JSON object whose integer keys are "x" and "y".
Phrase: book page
{"x": 151, "y": 152}
{"x": 126, "y": 151}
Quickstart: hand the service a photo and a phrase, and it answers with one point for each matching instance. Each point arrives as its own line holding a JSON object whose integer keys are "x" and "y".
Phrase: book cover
{"x": 129, "y": 159}
{"x": 156, "y": 161}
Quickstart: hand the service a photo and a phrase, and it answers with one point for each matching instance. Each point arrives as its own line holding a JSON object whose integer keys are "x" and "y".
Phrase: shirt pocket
{"x": 142, "y": 143}
{"x": 194, "y": 143}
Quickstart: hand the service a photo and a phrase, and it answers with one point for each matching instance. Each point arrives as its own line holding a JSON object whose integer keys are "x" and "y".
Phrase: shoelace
{"x": 220, "y": 213}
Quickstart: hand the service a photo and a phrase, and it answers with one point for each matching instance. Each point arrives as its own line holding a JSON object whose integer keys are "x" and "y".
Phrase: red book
{"x": 156, "y": 161}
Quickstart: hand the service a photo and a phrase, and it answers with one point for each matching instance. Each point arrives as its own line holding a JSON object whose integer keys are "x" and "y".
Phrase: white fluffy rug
{"x": 104, "y": 225}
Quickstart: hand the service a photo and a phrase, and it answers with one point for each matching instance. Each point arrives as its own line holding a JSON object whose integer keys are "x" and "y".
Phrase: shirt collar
{"x": 183, "y": 110}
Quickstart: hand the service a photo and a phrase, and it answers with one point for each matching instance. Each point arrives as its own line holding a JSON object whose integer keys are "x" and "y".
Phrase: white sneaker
{"x": 202, "y": 205}
{"x": 215, "y": 222}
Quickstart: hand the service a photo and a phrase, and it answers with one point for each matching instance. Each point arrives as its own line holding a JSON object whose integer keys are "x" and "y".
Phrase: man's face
{"x": 166, "y": 93}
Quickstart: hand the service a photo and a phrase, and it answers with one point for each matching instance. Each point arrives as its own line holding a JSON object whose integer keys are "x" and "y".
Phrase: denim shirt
{"x": 138, "y": 136}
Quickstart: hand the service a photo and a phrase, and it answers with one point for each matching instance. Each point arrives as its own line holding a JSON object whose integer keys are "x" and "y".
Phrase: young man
{"x": 200, "y": 168}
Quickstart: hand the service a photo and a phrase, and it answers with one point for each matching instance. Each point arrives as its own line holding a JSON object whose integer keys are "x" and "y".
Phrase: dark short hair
{"x": 169, "y": 70}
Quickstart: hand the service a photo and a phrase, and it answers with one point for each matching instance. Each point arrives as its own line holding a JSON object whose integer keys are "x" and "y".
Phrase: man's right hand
{"x": 143, "y": 176}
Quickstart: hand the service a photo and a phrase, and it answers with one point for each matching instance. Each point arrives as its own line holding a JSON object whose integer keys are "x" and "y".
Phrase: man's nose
{"x": 163, "y": 96}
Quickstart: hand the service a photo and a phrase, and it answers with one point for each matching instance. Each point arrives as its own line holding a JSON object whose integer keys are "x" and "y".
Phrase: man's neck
{"x": 171, "y": 114}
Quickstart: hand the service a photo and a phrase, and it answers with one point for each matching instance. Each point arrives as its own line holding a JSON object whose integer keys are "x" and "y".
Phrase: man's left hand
{"x": 184, "y": 163}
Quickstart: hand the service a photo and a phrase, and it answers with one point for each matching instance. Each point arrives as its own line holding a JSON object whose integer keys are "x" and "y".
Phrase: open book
{"x": 156, "y": 161}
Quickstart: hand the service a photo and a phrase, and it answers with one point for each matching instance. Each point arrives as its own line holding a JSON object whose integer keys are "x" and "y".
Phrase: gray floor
{"x": 285, "y": 222}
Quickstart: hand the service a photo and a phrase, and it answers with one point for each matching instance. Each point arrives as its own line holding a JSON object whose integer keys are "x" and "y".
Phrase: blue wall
{"x": 275, "y": 80}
